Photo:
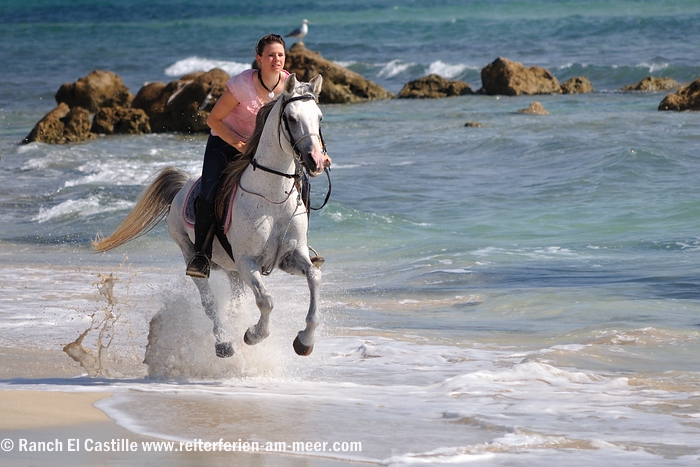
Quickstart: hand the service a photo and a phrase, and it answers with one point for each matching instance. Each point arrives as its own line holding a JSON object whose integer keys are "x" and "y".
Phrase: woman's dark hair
{"x": 269, "y": 39}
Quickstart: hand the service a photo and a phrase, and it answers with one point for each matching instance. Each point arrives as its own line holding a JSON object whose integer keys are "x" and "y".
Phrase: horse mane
{"x": 233, "y": 171}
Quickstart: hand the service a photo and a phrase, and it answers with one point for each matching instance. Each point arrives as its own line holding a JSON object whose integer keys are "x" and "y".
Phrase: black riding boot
{"x": 204, "y": 229}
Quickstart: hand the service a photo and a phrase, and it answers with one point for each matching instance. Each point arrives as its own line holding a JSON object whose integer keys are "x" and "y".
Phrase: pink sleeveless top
{"x": 241, "y": 120}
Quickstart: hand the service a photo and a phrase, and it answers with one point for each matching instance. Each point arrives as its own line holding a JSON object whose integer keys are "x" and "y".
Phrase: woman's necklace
{"x": 270, "y": 94}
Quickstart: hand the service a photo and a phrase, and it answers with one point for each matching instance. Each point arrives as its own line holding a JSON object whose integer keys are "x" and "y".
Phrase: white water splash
{"x": 394, "y": 68}
{"x": 446, "y": 70}
{"x": 81, "y": 208}
{"x": 96, "y": 361}
{"x": 193, "y": 64}
{"x": 181, "y": 339}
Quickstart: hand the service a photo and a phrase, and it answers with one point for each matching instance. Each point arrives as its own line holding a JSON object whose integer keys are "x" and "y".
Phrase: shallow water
{"x": 524, "y": 293}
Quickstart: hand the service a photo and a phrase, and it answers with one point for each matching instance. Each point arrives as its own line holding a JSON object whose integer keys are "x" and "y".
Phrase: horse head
{"x": 301, "y": 119}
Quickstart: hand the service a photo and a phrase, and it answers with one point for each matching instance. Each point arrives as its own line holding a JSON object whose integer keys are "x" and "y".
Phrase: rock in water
{"x": 577, "y": 85}
{"x": 118, "y": 120}
{"x": 98, "y": 89}
{"x": 651, "y": 84}
{"x": 182, "y": 105}
{"x": 62, "y": 125}
{"x": 151, "y": 98}
{"x": 687, "y": 98}
{"x": 509, "y": 78}
{"x": 534, "y": 109}
{"x": 340, "y": 85}
{"x": 434, "y": 86}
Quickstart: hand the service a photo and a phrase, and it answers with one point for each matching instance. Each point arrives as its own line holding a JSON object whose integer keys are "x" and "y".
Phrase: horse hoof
{"x": 251, "y": 338}
{"x": 224, "y": 350}
{"x": 301, "y": 349}
{"x": 247, "y": 339}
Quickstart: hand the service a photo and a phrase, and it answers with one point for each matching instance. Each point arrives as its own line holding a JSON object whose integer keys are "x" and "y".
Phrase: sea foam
{"x": 81, "y": 207}
{"x": 395, "y": 68}
{"x": 194, "y": 64}
{"x": 446, "y": 70}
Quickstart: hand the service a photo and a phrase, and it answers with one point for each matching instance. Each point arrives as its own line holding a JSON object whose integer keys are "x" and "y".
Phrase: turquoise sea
{"x": 523, "y": 293}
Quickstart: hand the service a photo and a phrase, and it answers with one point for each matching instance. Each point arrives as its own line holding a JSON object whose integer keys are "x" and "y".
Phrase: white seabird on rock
{"x": 301, "y": 31}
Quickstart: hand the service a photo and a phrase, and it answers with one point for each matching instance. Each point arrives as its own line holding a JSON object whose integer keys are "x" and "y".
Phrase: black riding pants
{"x": 217, "y": 156}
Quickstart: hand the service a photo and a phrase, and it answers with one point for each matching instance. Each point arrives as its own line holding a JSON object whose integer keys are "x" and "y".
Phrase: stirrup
{"x": 198, "y": 266}
{"x": 317, "y": 260}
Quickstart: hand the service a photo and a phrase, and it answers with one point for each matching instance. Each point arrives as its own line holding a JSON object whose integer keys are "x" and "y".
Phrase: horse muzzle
{"x": 316, "y": 161}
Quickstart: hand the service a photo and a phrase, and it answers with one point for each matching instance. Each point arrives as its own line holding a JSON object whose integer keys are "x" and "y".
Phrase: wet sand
{"x": 48, "y": 426}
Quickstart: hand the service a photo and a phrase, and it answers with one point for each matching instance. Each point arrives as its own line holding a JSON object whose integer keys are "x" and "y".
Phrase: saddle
{"x": 188, "y": 207}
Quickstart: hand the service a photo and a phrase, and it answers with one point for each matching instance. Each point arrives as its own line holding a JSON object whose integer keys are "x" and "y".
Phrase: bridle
{"x": 285, "y": 119}
{"x": 284, "y": 124}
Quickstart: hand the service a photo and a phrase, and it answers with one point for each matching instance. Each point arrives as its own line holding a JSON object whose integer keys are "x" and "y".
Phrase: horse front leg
{"x": 223, "y": 346}
{"x": 251, "y": 276}
{"x": 298, "y": 263}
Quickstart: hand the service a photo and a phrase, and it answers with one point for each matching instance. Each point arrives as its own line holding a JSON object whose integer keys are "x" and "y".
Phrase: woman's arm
{"x": 221, "y": 109}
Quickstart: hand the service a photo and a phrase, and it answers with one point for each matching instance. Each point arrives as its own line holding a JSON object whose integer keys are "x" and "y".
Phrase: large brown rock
{"x": 434, "y": 87}
{"x": 509, "y": 78}
{"x": 182, "y": 105}
{"x": 687, "y": 98}
{"x": 98, "y": 89}
{"x": 577, "y": 85}
{"x": 118, "y": 120}
{"x": 62, "y": 125}
{"x": 651, "y": 84}
{"x": 340, "y": 85}
{"x": 151, "y": 98}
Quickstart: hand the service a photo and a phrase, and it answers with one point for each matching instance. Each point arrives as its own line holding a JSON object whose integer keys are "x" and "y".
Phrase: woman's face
{"x": 272, "y": 58}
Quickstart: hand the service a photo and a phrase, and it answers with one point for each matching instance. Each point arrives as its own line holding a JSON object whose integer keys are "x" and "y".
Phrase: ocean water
{"x": 524, "y": 293}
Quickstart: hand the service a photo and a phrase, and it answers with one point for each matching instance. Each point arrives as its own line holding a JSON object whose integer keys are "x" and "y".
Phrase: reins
{"x": 327, "y": 171}
{"x": 296, "y": 175}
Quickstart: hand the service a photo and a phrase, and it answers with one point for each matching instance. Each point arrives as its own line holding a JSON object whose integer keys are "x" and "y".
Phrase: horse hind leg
{"x": 236, "y": 284}
{"x": 299, "y": 264}
{"x": 223, "y": 346}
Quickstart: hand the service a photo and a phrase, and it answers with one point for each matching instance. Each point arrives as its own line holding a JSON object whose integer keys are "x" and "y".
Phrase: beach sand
{"x": 64, "y": 424}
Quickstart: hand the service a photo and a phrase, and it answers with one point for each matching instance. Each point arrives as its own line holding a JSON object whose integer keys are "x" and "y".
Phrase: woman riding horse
{"x": 232, "y": 121}
{"x": 269, "y": 221}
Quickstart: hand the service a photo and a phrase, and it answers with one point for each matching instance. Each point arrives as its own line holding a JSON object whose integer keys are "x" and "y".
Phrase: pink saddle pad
{"x": 188, "y": 208}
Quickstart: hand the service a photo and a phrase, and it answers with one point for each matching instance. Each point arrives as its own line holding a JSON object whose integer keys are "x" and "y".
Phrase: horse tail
{"x": 151, "y": 208}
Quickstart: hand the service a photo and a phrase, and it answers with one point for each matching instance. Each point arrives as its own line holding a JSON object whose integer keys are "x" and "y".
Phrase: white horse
{"x": 269, "y": 221}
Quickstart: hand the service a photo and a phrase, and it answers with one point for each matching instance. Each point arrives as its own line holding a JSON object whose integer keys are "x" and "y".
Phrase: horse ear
{"x": 317, "y": 83}
{"x": 290, "y": 84}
